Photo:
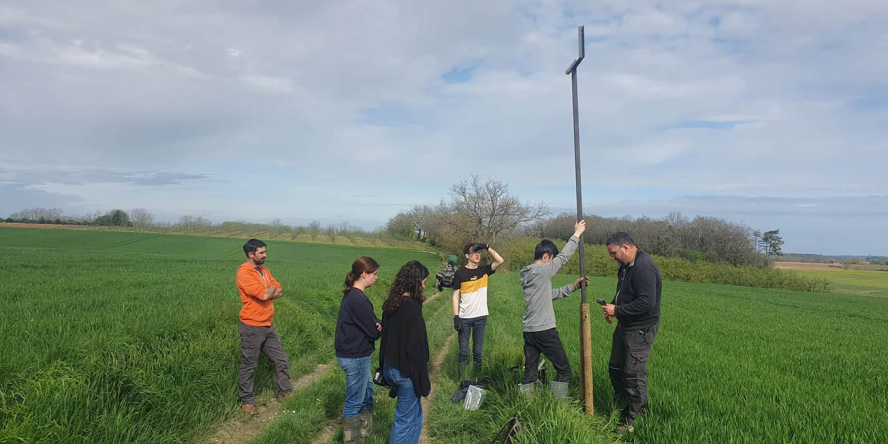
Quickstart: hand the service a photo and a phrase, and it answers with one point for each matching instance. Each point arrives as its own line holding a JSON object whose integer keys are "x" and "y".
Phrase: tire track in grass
{"x": 239, "y": 431}
{"x": 332, "y": 424}
{"x": 436, "y": 372}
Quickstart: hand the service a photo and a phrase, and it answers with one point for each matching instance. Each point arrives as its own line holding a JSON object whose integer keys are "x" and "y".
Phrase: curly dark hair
{"x": 408, "y": 282}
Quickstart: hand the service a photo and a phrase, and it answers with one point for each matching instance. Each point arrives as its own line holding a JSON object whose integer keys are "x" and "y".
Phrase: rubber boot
{"x": 558, "y": 389}
{"x": 476, "y": 371}
{"x": 526, "y": 389}
{"x": 366, "y": 423}
{"x": 351, "y": 430}
{"x": 460, "y": 369}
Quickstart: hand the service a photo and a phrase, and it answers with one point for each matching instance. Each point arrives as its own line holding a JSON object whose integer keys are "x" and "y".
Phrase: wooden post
{"x": 586, "y": 338}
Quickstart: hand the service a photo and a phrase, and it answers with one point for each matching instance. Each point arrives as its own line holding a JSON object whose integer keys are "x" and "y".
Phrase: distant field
{"x": 265, "y": 234}
{"x": 114, "y": 337}
{"x": 807, "y": 266}
{"x": 862, "y": 282}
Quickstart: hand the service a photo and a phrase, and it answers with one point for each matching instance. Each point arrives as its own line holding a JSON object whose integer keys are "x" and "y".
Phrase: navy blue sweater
{"x": 638, "y": 293}
{"x": 355, "y": 326}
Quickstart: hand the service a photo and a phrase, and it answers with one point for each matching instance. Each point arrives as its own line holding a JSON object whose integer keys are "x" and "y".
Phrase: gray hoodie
{"x": 536, "y": 280}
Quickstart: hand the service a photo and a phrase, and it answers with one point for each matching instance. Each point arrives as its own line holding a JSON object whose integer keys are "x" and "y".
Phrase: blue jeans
{"x": 358, "y": 385}
{"x": 476, "y": 328}
{"x": 408, "y": 412}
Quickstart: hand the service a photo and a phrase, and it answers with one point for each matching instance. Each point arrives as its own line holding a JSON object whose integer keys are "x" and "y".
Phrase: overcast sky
{"x": 768, "y": 113}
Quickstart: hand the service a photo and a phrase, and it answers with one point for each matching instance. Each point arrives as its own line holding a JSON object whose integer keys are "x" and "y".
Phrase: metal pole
{"x": 573, "y": 81}
{"x": 585, "y": 321}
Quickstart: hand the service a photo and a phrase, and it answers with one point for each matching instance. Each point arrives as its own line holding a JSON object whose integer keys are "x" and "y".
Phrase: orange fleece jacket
{"x": 251, "y": 285}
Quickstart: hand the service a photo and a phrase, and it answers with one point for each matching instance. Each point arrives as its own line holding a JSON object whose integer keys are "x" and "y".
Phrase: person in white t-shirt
{"x": 470, "y": 305}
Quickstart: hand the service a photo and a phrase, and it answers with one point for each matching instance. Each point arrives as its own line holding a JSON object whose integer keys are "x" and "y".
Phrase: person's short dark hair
{"x": 252, "y": 245}
{"x": 619, "y": 239}
{"x": 545, "y": 246}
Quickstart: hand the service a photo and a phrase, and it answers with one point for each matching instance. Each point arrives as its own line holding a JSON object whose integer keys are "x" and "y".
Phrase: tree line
{"x": 481, "y": 209}
{"x": 477, "y": 209}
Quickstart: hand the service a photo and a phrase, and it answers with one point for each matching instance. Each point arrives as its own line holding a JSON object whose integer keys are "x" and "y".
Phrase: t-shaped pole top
{"x": 582, "y": 42}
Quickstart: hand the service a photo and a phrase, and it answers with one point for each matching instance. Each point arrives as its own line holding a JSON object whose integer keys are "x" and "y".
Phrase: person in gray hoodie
{"x": 540, "y": 335}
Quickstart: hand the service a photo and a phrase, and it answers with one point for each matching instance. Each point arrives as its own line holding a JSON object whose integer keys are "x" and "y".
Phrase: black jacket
{"x": 405, "y": 345}
{"x": 355, "y": 326}
{"x": 638, "y": 293}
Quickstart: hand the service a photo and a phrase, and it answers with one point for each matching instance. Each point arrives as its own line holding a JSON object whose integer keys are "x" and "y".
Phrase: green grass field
{"x": 127, "y": 337}
{"x": 863, "y": 282}
{"x": 730, "y": 364}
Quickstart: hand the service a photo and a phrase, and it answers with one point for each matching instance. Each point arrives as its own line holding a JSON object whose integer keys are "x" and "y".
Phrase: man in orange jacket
{"x": 258, "y": 289}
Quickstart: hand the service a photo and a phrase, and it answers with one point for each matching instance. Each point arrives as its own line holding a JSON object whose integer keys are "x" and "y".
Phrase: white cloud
{"x": 145, "y": 87}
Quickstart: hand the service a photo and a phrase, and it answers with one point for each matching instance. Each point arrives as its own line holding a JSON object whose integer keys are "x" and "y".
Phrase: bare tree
{"x": 314, "y": 228}
{"x": 141, "y": 218}
{"x": 483, "y": 209}
{"x": 276, "y": 227}
{"x": 192, "y": 224}
{"x": 38, "y": 214}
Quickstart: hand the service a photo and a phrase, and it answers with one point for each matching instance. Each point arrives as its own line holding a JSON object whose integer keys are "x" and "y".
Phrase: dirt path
{"x": 435, "y": 373}
{"x": 241, "y": 431}
{"x": 327, "y": 434}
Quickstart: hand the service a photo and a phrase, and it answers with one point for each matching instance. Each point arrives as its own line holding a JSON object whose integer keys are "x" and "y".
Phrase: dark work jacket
{"x": 355, "y": 326}
{"x": 638, "y": 293}
{"x": 405, "y": 345}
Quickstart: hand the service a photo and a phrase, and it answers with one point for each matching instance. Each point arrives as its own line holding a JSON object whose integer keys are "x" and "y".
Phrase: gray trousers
{"x": 265, "y": 340}
{"x": 628, "y": 369}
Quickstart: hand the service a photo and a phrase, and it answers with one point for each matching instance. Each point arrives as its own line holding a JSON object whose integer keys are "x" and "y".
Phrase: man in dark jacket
{"x": 636, "y": 306}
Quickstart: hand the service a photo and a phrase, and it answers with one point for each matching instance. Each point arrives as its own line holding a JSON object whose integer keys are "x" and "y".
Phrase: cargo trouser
{"x": 265, "y": 340}
{"x": 630, "y": 351}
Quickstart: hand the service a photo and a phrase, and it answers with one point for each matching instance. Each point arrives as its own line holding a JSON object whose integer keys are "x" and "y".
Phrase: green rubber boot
{"x": 558, "y": 389}
{"x": 526, "y": 389}
{"x": 460, "y": 370}
{"x": 366, "y": 423}
{"x": 351, "y": 430}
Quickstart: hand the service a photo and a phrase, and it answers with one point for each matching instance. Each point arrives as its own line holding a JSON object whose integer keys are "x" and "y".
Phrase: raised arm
{"x": 497, "y": 259}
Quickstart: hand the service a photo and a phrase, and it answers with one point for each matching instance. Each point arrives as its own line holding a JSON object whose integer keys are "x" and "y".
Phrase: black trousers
{"x": 630, "y": 351}
{"x": 548, "y": 343}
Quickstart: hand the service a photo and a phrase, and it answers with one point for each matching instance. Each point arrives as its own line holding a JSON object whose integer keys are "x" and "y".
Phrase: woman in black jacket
{"x": 356, "y": 330}
{"x": 404, "y": 351}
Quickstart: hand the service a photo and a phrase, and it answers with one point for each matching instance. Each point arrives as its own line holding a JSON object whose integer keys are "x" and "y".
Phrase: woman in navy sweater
{"x": 356, "y": 330}
{"x": 404, "y": 351}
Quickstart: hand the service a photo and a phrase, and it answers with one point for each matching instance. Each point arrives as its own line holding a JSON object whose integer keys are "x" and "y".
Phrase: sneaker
{"x": 250, "y": 409}
{"x": 624, "y": 429}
